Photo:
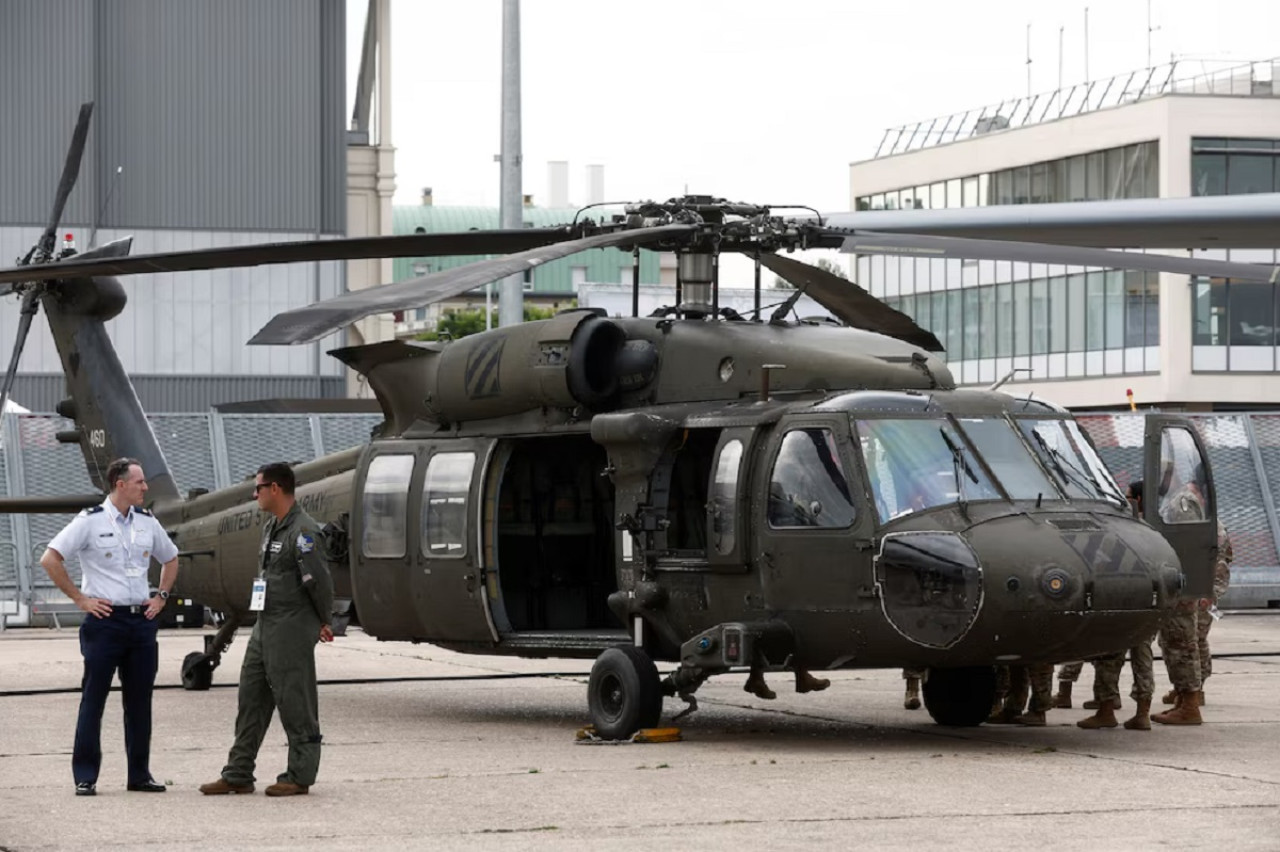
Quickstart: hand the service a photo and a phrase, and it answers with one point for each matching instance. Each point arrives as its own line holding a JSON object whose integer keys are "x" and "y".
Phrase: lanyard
{"x": 131, "y": 540}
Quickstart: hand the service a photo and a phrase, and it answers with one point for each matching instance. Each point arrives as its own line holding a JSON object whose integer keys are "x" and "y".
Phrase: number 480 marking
{"x": 97, "y": 438}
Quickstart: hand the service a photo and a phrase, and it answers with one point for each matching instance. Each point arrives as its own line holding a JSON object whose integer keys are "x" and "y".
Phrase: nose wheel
{"x": 624, "y": 694}
{"x": 960, "y": 697}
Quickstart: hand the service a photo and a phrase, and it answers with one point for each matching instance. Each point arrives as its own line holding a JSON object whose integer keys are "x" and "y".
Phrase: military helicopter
{"x": 697, "y": 487}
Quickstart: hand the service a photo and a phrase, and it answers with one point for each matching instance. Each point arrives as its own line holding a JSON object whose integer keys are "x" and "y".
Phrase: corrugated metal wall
{"x": 224, "y": 116}
{"x": 228, "y": 119}
{"x": 195, "y": 322}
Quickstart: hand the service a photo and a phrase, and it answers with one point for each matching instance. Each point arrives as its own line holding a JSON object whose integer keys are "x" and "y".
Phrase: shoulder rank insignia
{"x": 306, "y": 543}
{"x": 92, "y": 510}
{"x": 142, "y": 511}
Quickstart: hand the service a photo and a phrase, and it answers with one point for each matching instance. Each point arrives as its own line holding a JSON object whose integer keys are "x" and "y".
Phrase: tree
{"x": 457, "y": 324}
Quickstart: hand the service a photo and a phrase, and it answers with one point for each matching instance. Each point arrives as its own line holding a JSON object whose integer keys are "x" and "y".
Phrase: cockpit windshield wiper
{"x": 1070, "y": 471}
{"x": 959, "y": 464}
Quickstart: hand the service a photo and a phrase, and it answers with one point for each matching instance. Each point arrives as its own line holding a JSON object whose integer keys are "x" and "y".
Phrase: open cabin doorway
{"x": 553, "y": 535}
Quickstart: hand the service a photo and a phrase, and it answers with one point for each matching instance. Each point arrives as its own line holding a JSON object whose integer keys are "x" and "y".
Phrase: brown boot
{"x": 806, "y": 682}
{"x": 1063, "y": 699}
{"x": 756, "y": 686}
{"x": 1104, "y": 718}
{"x": 1185, "y": 712}
{"x": 1170, "y": 697}
{"x": 286, "y": 788}
{"x": 222, "y": 788}
{"x": 1141, "y": 720}
{"x": 1092, "y": 704}
{"x": 911, "y": 701}
{"x": 1032, "y": 719}
{"x": 1200, "y": 698}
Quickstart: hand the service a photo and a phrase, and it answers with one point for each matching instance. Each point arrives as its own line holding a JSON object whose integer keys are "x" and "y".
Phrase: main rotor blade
{"x": 920, "y": 245}
{"x": 70, "y": 172}
{"x": 303, "y": 325}
{"x": 1207, "y": 221}
{"x": 30, "y": 304}
{"x": 851, "y": 304}
{"x": 354, "y": 248}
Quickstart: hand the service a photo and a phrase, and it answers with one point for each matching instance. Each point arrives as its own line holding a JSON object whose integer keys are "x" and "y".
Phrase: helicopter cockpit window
{"x": 1182, "y": 480}
{"x": 1008, "y": 458}
{"x": 386, "y": 506}
{"x": 917, "y": 464}
{"x": 724, "y": 497}
{"x": 1071, "y": 459}
{"x": 444, "y": 504}
{"x": 808, "y": 487}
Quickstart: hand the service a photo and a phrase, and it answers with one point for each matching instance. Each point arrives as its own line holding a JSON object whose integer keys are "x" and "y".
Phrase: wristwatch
{"x": 164, "y": 596}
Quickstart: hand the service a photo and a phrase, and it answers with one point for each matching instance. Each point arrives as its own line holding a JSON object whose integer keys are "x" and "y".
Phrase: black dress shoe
{"x": 148, "y": 786}
{"x": 86, "y": 788}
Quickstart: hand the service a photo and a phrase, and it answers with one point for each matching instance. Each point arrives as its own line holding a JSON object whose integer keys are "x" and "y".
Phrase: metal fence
{"x": 1244, "y": 453}
{"x": 207, "y": 451}
{"x": 215, "y": 450}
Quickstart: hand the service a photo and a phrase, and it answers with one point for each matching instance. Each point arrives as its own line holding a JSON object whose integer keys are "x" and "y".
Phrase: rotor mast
{"x": 511, "y": 202}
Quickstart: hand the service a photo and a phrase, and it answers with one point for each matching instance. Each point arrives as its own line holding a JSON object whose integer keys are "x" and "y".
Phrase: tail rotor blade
{"x": 30, "y": 304}
{"x": 70, "y": 172}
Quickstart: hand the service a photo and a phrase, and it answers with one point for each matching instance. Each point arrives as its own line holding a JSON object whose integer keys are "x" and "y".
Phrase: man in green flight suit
{"x": 293, "y": 596}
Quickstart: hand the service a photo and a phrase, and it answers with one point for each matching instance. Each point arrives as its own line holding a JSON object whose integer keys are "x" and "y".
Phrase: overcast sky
{"x": 754, "y": 100}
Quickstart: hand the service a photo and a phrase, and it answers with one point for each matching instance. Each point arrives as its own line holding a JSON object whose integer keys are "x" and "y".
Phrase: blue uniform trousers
{"x": 126, "y": 642}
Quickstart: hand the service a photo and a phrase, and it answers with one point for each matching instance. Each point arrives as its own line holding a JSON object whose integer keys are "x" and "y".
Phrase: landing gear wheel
{"x": 624, "y": 694}
{"x": 960, "y": 697}
{"x": 197, "y": 672}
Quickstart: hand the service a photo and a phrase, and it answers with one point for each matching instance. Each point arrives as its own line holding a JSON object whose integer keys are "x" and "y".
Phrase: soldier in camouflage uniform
{"x": 279, "y": 669}
{"x": 1178, "y": 641}
{"x": 1186, "y": 647}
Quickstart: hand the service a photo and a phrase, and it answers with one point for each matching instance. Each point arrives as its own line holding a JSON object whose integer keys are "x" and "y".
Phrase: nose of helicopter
{"x": 1038, "y": 586}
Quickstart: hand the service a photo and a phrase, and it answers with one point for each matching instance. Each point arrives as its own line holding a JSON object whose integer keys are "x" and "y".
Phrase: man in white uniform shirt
{"x": 115, "y": 543}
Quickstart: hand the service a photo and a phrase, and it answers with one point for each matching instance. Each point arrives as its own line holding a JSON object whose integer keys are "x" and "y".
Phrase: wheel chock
{"x": 588, "y": 736}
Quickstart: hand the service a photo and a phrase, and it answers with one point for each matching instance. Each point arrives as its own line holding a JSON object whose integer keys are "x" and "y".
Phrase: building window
{"x": 1234, "y": 166}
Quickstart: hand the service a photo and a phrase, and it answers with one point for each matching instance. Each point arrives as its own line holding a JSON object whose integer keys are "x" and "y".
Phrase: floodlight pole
{"x": 511, "y": 202}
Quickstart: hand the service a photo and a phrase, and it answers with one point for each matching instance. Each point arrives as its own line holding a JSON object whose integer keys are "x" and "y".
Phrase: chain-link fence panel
{"x": 253, "y": 440}
{"x": 1118, "y": 439}
{"x": 1235, "y": 478}
{"x": 340, "y": 432}
{"x": 8, "y": 552}
{"x": 184, "y": 440}
{"x": 49, "y": 469}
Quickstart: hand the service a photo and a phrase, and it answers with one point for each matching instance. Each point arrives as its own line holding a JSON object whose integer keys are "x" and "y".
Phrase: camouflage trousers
{"x": 913, "y": 674}
{"x": 1204, "y": 621}
{"x": 1106, "y": 684}
{"x": 1070, "y": 671}
{"x": 1180, "y": 644}
{"x": 1014, "y": 682}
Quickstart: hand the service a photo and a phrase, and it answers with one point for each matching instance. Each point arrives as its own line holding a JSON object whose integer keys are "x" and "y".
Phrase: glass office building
{"x": 1074, "y": 326}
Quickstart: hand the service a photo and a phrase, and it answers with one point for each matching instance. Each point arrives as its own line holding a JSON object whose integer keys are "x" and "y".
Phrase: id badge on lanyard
{"x": 126, "y": 544}
{"x": 258, "y": 600}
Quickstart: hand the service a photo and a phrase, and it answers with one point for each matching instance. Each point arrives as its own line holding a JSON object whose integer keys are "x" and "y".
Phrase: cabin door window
{"x": 444, "y": 505}
{"x": 386, "y": 505}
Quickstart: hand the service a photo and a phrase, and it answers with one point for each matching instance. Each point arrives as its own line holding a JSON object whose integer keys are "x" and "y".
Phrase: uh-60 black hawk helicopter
{"x": 695, "y": 487}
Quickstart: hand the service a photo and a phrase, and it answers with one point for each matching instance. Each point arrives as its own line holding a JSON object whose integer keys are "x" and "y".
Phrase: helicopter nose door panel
{"x": 930, "y": 586}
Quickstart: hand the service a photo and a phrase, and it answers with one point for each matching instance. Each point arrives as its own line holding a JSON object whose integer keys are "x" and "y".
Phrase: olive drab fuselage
{"x": 717, "y": 492}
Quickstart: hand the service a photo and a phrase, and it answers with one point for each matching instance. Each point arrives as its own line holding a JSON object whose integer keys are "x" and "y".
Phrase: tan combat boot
{"x": 1185, "y": 712}
{"x": 1141, "y": 720}
{"x": 1092, "y": 704}
{"x": 1063, "y": 699}
{"x": 756, "y": 685}
{"x": 1031, "y": 718}
{"x": 1170, "y": 697}
{"x": 1200, "y": 698}
{"x": 1104, "y": 718}
{"x": 911, "y": 701}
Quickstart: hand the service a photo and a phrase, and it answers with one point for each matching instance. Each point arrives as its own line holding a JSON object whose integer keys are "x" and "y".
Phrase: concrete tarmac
{"x": 465, "y": 760}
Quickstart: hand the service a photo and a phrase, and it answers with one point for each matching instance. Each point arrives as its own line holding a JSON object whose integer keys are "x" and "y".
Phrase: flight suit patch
{"x": 277, "y": 546}
{"x": 306, "y": 543}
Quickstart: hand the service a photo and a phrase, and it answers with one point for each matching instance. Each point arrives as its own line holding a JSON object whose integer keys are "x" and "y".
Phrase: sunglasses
{"x": 261, "y": 485}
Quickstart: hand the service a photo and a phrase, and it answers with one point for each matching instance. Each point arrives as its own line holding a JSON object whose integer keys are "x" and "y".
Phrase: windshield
{"x": 1008, "y": 458}
{"x": 1071, "y": 460}
{"x": 915, "y": 465}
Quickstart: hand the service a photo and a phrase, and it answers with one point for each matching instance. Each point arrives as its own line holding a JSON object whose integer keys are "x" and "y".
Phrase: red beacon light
{"x": 68, "y": 241}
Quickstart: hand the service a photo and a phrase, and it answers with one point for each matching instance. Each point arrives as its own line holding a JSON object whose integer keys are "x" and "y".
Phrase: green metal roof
{"x": 608, "y": 266}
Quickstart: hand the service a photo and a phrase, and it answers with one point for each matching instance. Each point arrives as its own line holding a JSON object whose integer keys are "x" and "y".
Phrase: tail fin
{"x": 109, "y": 419}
